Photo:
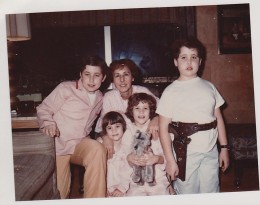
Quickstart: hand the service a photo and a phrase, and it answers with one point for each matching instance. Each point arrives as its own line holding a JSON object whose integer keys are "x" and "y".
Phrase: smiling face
{"x": 92, "y": 78}
{"x": 122, "y": 78}
{"x": 141, "y": 114}
{"x": 115, "y": 131}
{"x": 188, "y": 63}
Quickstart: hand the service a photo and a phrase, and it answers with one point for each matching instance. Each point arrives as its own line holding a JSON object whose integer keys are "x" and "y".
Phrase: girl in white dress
{"x": 118, "y": 170}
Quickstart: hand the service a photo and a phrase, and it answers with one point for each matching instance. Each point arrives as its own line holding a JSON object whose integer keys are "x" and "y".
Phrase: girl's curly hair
{"x": 135, "y": 99}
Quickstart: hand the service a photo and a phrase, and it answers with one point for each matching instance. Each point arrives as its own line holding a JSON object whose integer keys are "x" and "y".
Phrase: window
{"x": 59, "y": 39}
{"x": 148, "y": 45}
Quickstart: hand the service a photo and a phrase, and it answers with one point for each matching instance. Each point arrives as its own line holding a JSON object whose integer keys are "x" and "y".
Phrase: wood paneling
{"x": 184, "y": 16}
{"x": 231, "y": 73}
{"x": 24, "y": 122}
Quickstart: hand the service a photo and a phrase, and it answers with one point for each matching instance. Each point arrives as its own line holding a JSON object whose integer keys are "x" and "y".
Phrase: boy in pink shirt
{"x": 68, "y": 114}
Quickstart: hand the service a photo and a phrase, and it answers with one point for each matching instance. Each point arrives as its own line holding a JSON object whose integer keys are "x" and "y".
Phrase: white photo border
{"x": 30, "y": 6}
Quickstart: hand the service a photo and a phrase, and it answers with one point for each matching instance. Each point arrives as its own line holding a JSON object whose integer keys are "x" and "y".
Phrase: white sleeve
{"x": 219, "y": 99}
{"x": 164, "y": 107}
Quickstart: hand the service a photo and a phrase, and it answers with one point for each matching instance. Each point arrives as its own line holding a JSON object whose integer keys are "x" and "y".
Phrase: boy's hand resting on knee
{"x": 51, "y": 130}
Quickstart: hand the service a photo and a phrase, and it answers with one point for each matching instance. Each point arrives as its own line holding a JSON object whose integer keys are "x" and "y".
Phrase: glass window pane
{"x": 148, "y": 45}
{"x": 53, "y": 55}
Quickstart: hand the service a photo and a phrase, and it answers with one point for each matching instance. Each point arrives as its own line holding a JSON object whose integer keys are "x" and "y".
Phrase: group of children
{"x": 68, "y": 114}
{"x": 141, "y": 109}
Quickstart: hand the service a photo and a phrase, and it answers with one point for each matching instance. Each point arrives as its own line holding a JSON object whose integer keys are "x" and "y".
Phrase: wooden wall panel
{"x": 178, "y": 15}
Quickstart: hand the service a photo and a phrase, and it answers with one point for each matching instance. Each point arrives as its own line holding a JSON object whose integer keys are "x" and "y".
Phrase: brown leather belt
{"x": 188, "y": 129}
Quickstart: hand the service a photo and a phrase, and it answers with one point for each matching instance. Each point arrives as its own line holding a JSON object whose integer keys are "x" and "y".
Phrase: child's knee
{"x": 98, "y": 149}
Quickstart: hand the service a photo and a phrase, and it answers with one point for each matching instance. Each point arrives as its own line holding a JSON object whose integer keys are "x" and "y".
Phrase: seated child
{"x": 141, "y": 109}
{"x": 118, "y": 170}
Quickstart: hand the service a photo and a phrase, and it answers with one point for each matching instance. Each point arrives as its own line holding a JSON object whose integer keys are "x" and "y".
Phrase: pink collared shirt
{"x": 69, "y": 107}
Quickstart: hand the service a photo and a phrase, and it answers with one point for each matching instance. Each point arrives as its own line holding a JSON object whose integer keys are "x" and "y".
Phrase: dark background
{"x": 59, "y": 39}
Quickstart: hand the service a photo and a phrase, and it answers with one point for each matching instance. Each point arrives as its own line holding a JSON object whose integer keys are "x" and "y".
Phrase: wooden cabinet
{"x": 25, "y": 122}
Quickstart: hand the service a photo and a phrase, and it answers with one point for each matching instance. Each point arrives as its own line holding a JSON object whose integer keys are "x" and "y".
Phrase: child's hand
{"x": 137, "y": 160}
{"x": 117, "y": 193}
{"x": 51, "y": 130}
{"x": 223, "y": 159}
{"x": 172, "y": 169}
{"x": 151, "y": 158}
{"x": 171, "y": 190}
{"x": 108, "y": 194}
{"x": 153, "y": 128}
{"x": 99, "y": 139}
{"x": 109, "y": 145}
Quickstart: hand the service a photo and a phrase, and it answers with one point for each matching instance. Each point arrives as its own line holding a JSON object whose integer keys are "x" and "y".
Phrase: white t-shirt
{"x": 92, "y": 97}
{"x": 192, "y": 101}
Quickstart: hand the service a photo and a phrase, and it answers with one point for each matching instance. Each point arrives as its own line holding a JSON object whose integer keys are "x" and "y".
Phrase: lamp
{"x": 18, "y": 27}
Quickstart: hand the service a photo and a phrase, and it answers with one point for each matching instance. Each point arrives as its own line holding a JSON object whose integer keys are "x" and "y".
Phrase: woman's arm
{"x": 107, "y": 142}
{"x": 153, "y": 127}
{"x": 222, "y": 138}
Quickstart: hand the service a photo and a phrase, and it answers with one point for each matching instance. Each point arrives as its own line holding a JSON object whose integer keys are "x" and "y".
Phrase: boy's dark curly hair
{"x": 135, "y": 99}
{"x": 189, "y": 42}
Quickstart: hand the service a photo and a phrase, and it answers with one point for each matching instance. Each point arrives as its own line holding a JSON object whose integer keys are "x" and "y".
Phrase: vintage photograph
{"x": 132, "y": 102}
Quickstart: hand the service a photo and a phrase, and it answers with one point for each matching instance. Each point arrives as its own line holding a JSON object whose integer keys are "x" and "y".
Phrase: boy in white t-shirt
{"x": 190, "y": 99}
